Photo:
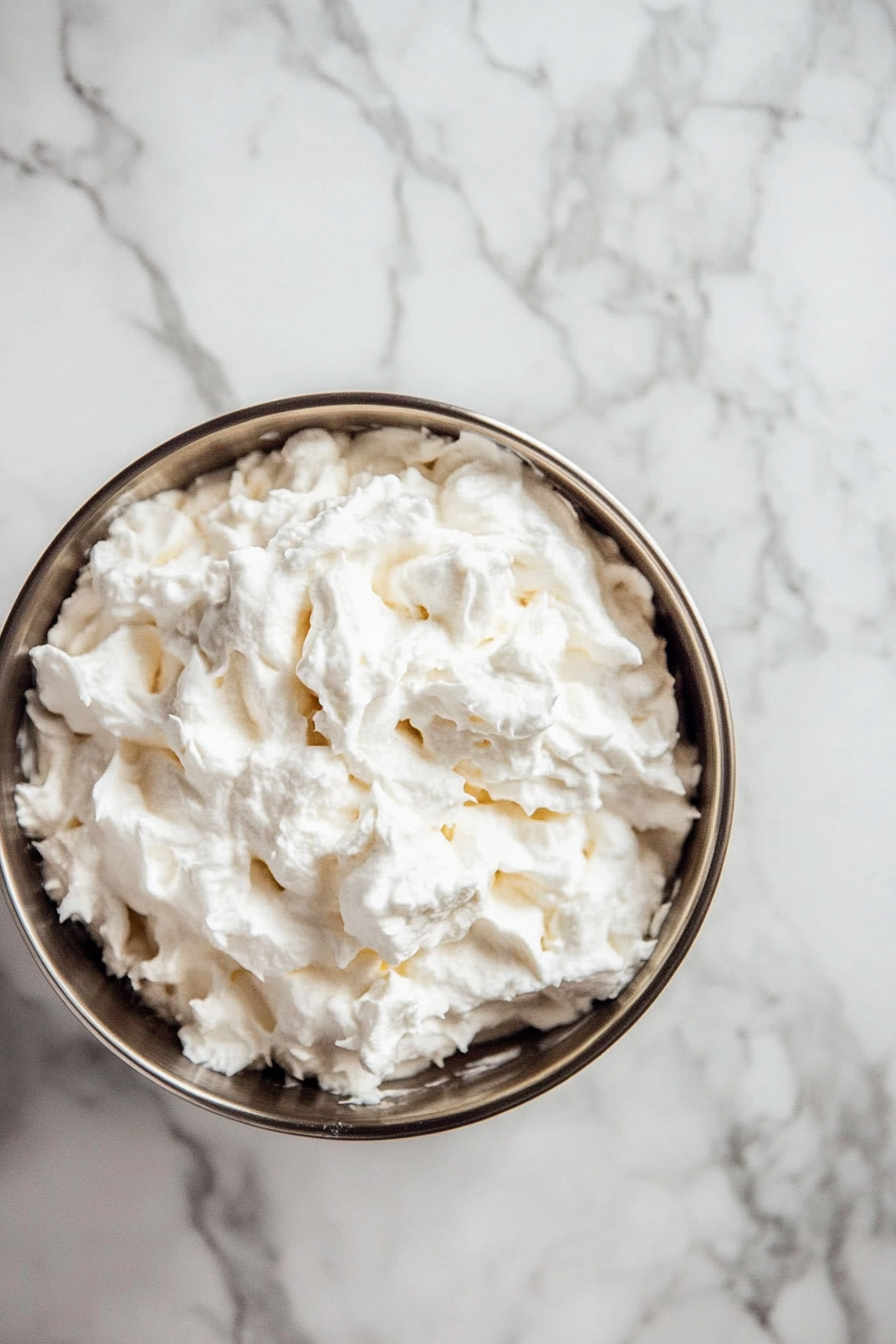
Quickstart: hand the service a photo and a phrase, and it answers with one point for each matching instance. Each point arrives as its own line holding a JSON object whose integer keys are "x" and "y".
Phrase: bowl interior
{"x": 494, "y": 1075}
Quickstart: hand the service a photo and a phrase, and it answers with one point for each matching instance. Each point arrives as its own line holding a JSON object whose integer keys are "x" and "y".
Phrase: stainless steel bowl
{"x": 490, "y": 1077}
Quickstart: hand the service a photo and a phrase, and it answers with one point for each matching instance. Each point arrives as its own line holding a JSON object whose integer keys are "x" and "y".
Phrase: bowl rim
{"x": 586, "y": 495}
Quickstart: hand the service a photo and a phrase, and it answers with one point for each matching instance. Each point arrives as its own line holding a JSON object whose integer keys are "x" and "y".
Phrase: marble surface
{"x": 662, "y": 237}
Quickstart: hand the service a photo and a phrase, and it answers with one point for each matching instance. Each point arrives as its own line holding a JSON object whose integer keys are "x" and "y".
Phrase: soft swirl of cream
{"x": 356, "y": 752}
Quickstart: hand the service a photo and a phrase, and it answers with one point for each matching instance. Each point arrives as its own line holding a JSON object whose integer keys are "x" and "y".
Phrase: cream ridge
{"x": 355, "y": 752}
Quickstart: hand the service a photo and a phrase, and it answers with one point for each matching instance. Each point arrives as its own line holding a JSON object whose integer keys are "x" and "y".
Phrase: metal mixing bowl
{"x": 490, "y": 1077}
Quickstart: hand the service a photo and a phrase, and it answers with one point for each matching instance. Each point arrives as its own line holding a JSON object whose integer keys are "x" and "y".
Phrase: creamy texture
{"x": 357, "y": 752}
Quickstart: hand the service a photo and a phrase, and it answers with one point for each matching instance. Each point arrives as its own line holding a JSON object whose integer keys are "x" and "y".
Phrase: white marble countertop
{"x": 663, "y": 238}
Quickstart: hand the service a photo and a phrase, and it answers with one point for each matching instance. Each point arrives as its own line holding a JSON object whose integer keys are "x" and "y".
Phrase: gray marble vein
{"x": 231, "y": 1223}
{"x": 115, "y": 146}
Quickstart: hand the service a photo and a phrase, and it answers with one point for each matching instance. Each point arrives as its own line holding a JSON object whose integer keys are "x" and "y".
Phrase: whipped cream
{"x": 358, "y": 752}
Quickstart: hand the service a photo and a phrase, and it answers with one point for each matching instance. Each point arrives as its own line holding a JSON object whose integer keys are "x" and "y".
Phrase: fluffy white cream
{"x": 357, "y": 752}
